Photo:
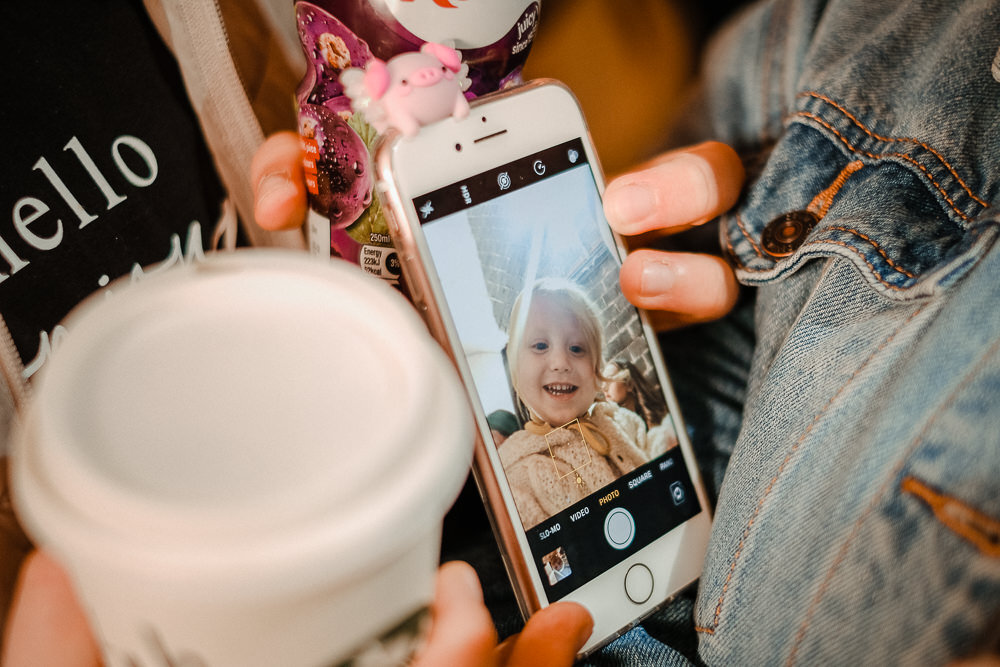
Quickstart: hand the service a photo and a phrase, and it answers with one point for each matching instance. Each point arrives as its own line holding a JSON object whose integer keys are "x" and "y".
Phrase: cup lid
{"x": 256, "y": 408}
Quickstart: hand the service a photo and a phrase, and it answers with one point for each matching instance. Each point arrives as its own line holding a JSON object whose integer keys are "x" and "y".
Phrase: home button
{"x": 639, "y": 583}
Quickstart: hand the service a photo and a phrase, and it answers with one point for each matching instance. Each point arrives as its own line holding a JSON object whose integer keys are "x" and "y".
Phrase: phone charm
{"x": 410, "y": 90}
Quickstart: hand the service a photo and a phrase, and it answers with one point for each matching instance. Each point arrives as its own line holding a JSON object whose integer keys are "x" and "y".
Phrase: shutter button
{"x": 783, "y": 235}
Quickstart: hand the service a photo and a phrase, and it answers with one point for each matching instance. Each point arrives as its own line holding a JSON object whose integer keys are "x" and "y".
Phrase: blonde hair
{"x": 572, "y": 297}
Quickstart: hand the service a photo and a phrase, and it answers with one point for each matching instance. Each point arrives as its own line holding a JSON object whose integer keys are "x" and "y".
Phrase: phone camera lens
{"x": 458, "y": 147}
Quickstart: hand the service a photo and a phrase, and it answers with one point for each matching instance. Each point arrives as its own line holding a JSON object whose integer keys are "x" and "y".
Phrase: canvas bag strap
{"x": 195, "y": 31}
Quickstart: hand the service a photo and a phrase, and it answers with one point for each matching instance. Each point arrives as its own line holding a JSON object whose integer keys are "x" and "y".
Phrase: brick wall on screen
{"x": 506, "y": 262}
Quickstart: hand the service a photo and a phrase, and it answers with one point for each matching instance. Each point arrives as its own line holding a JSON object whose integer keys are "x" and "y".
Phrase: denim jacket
{"x": 858, "y": 520}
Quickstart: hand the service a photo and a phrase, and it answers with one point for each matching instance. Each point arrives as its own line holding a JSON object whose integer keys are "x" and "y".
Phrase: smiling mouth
{"x": 559, "y": 390}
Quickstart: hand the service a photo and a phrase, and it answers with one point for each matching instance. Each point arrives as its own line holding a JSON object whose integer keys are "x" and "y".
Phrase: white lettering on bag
{"x": 191, "y": 251}
{"x": 29, "y": 209}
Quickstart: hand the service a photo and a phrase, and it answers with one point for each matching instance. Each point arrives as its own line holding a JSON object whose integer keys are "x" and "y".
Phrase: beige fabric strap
{"x": 196, "y": 34}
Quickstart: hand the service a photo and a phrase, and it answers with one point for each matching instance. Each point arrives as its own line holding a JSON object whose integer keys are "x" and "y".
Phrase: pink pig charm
{"x": 411, "y": 90}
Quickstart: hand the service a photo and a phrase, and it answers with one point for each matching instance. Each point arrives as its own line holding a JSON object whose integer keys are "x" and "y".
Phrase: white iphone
{"x": 582, "y": 458}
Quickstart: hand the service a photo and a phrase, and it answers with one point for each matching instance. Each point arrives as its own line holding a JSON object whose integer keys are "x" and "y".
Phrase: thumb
{"x": 462, "y": 632}
{"x": 46, "y": 625}
{"x": 552, "y": 637}
{"x": 279, "y": 182}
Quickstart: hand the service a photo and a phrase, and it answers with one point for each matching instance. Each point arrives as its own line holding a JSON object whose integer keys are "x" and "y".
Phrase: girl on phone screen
{"x": 574, "y": 443}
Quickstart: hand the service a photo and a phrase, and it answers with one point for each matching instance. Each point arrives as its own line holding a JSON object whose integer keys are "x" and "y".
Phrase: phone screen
{"x": 560, "y": 362}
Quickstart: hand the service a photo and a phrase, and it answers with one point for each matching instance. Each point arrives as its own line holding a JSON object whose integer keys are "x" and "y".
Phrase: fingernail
{"x": 657, "y": 277}
{"x": 631, "y": 204}
{"x": 585, "y": 631}
{"x": 274, "y": 185}
{"x": 465, "y": 576}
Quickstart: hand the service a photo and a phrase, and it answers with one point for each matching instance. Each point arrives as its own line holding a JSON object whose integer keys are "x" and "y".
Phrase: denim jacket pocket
{"x": 861, "y": 495}
{"x": 856, "y": 521}
{"x": 869, "y": 420}
{"x": 896, "y": 207}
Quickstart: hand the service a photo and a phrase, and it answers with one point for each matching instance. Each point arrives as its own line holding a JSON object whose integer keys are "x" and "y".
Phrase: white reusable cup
{"x": 246, "y": 461}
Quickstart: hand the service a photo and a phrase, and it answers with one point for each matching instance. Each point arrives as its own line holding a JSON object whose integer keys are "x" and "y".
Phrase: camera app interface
{"x": 560, "y": 365}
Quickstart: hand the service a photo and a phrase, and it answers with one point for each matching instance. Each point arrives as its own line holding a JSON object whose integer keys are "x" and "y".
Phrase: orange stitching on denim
{"x": 788, "y": 457}
{"x": 854, "y": 250}
{"x": 730, "y": 249}
{"x": 800, "y": 635}
{"x": 822, "y": 202}
{"x": 879, "y": 137}
{"x": 876, "y": 247}
{"x": 874, "y": 156}
{"x": 982, "y": 530}
{"x": 871, "y": 267}
{"x": 747, "y": 236}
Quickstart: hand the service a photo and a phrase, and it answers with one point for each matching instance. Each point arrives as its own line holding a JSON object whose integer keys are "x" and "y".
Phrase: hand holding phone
{"x": 688, "y": 186}
{"x": 47, "y": 625}
{"x": 504, "y": 248}
{"x": 676, "y": 191}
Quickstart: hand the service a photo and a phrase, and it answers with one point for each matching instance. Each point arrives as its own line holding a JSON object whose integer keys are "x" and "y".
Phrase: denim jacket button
{"x": 783, "y": 235}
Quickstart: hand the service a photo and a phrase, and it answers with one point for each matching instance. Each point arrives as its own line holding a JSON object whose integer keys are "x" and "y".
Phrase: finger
{"x": 977, "y": 661}
{"x": 680, "y": 189}
{"x": 683, "y": 288}
{"x": 278, "y": 181}
{"x": 551, "y": 637}
{"x": 463, "y": 632}
{"x": 46, "y": 625}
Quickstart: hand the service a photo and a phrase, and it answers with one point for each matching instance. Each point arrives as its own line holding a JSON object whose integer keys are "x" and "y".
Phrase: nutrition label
{"x": 381, "y": 261}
